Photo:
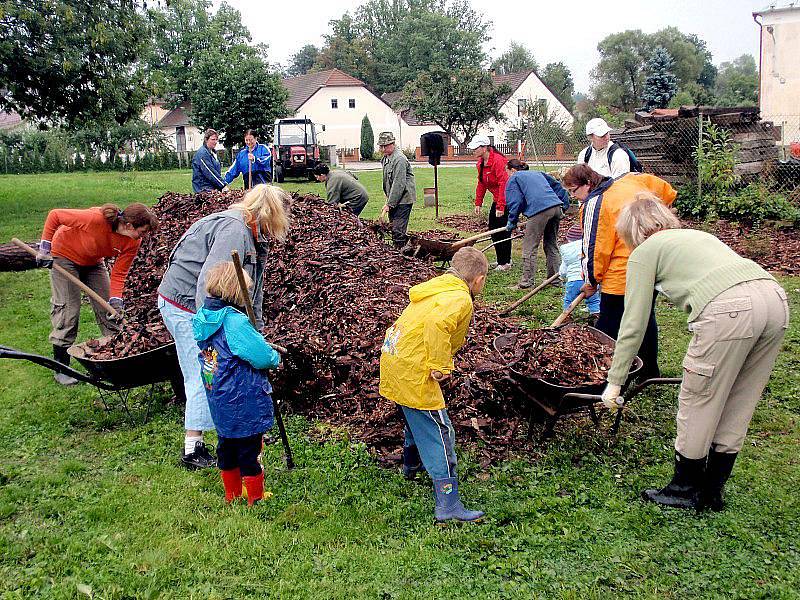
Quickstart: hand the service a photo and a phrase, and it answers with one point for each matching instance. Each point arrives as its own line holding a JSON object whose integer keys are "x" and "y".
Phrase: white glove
{"x": 226, "y": 189}
{"x": 611, "y": 398}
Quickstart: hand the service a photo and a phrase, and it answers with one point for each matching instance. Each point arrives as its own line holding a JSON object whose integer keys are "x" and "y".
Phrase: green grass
{"x": 92, "y": 506}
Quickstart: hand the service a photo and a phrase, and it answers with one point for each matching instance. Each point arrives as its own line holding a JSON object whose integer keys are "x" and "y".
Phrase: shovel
{"x": 568, "y": 311}
{"x": 471, "y": 240}
{"x": 529, "y": 295}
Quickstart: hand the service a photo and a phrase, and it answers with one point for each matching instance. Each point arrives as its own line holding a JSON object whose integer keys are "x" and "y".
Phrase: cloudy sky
{"x": 554, "y": 31}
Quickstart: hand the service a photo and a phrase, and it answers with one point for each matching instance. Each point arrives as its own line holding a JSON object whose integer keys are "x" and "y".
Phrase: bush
{"x": 752, "y": 205}
{"x": 411, "y": 153}
{"x": 367, "y": 140}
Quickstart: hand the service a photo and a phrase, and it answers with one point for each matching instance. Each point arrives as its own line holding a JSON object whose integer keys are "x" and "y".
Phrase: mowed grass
{"x": 94, "y": 506}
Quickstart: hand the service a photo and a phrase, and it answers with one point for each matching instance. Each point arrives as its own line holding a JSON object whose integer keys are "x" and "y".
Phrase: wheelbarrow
{"x": 116, "y": 376}
{"x": 442, "y": 250}
{"x": 550, "y": 401}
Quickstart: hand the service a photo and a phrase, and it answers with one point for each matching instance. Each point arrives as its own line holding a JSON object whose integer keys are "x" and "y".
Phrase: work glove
{"x": 510, "y": 228}
{"x": 43, "y": 257}
{"x": 499, "y": 214}
{"x": 611, "y": 398}
{"x": 226, "y": 189}
{"x": 118, "y": 305}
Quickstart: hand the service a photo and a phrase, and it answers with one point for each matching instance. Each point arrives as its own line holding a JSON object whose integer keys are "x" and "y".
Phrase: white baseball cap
{"x": 478, "y": 141}
{"x": 597, "y": 126}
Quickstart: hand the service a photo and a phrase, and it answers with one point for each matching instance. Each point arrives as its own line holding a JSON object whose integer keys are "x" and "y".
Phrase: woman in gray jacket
{"x": 244, "y": 227}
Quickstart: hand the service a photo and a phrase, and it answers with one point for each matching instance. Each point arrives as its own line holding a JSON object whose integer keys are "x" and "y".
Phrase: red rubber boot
{"x": 232, "y": 480}
{"x": 255, "y": 487}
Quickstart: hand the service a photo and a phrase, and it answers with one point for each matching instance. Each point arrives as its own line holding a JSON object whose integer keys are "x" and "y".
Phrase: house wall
{"x": 779, "y": 93}
{"x": 153, "y": 113}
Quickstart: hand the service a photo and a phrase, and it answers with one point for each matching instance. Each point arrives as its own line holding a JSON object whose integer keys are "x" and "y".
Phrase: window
{"x": 522, "y": 107}
{"x": 351, "y": 103}
{"x": 334, "y": 103}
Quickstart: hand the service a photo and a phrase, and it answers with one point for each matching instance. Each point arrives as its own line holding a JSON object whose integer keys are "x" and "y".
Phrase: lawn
{"x": 92, "y": 506}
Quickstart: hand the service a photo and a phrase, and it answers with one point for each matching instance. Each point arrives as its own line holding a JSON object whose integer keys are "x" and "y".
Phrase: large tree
{"x": 661, "y": 84}
{"x": 72, "y": 63}
{"x": 303, "y": 60}
{"x": 737, "y": 82}
{"x": 558, "y": 78}
{"x": 457, "y": 101}
{"x": 516, "y": 58}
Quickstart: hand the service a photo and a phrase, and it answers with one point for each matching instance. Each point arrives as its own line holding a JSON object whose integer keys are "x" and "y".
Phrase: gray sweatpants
{"x": 542, "y": 227}
{"x": 736, "y": 340}
{"x": 65, "y": 301}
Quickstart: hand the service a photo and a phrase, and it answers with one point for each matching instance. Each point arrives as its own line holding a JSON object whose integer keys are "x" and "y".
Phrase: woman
{"x": 605, "y": 255}
{"x": 541, "y": 198}
{"x": 738, "y": 315}
{"x": 254, "y": 162}
{"x": 206, "y": 174}
{"x": 78, "y": 241}
{"x": 492, "y": 176}
{"x": 245, "y": 227}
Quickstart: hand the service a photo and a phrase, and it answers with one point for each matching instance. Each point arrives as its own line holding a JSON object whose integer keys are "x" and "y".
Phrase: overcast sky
{"x": 567, "y": 31}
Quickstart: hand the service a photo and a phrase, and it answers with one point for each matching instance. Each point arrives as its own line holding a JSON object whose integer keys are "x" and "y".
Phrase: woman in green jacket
{"x": 738, "y": 315}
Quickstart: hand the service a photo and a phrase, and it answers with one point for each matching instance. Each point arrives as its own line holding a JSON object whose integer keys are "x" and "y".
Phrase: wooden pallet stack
{"x": 665, "y": 140}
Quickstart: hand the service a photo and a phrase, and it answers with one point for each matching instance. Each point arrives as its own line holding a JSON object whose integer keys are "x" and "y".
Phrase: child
{"x": 232, "y": 358}
{"x": 417, "y": 355}
{"x": 570, "y": 271}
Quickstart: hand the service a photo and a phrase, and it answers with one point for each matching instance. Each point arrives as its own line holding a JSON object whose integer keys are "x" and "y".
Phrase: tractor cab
{"x": 295, "y": 149}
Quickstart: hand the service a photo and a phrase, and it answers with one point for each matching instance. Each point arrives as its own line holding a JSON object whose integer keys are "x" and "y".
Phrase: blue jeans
{"x": 433, "y": 435}
{"x": 179, "y": 323}
{"x": 571, "y": 291}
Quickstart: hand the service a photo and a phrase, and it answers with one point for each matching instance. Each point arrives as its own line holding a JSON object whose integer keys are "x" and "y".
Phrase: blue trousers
{"x": 433, "y": 435}
{"x": 571, "y": 291}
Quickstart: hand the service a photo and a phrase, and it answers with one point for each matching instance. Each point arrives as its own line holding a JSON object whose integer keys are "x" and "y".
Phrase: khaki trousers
{"x": 542, "y": 227}
{"x": 65, "y": 302}
{"x": 736, "y": 340}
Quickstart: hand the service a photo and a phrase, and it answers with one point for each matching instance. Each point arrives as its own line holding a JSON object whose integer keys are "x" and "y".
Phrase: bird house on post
{"x": 432, "y": 145}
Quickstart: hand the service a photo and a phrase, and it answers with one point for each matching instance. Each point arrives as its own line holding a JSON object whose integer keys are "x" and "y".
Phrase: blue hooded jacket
{"x": 206, "y": 174}
{"x": 232, "y": 358}
{"x": 531, "y": 192}
{"x": 260, "y": 166}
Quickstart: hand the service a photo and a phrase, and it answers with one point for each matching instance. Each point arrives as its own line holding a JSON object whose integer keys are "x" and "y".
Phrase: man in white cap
{"x": 602, "y": 155}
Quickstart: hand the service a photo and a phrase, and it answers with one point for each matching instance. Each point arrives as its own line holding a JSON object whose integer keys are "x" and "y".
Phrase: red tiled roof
{"x": 177, "y": 117}
{"x": 302, "y": 87}
{"x": 512, "y": 80}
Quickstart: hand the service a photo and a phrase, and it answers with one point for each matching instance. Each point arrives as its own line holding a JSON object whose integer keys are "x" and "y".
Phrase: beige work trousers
{"x": 736, "y": 340}
{"x": 65, "y": 301}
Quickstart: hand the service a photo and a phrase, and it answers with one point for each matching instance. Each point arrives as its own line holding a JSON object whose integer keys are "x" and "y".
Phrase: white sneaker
{"x": 504, "y": 267}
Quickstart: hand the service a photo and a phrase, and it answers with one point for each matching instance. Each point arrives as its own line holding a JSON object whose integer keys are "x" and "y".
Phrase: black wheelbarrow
{"x": 116, "y": 376}
{"x": 549, "y": 401}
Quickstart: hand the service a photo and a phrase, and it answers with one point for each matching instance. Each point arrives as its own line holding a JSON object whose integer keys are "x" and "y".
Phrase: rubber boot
{"x": 255, "y": 487}
{"x": 684, "y": 489}
{"x": 448, "y": 502}
{"x": 412, "y": 463}
{"x": 718, "y": 470}
{"x": 232, "y": 480}
{"x": 61, "y": 355}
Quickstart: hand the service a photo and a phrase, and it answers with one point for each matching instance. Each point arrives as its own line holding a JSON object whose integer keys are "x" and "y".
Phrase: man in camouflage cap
{"x": 398, "y": 186}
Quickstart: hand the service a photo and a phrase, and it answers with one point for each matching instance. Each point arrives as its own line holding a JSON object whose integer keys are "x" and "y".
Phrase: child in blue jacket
{"x": 233, "y": 356}
{"x": 571, "y": 272}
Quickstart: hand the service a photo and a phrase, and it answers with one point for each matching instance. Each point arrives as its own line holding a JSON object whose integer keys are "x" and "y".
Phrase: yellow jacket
{"x": 426, "y": 336}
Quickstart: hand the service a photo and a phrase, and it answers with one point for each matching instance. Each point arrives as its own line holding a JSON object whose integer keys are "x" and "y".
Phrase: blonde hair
{"x": 642, "y": 218}
{"x": 266, "y": 205}
{"x": 470, "y": 263}
{"x": 222, "y": 282}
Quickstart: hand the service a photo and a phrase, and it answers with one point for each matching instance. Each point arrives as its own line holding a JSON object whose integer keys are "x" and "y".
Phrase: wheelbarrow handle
{"x": 53, "y": 365}
{"x": 475, "y": 238}
{"x": 592, "y": 397}
{"x": 629, "y": 394}
{"x": 529, "y": 295}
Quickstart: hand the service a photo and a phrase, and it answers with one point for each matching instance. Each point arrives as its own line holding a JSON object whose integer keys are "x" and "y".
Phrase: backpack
{"x": 636, "y": 166}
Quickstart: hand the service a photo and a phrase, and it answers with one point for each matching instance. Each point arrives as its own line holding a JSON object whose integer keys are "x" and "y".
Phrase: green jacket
{"x": 343, "y": 188}
{"x": 398, "y": 179}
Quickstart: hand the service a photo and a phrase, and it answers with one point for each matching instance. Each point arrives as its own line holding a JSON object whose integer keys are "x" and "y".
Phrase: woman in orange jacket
{"x": 605, "y": 255}
{"x": 492, "y": 177}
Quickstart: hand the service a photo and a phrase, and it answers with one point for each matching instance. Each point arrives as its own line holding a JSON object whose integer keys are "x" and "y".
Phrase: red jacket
{"x": 492, "y": 177}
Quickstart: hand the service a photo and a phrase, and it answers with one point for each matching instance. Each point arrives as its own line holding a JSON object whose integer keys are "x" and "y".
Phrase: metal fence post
{"x": 699, "y": 154}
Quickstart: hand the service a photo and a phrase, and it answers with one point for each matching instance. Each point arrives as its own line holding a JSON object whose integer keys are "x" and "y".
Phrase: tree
{"x": 303, "y": 60}
{"x": 233, "y": 94}
{"x": 618, "y": 75}
{"x": 108, "y": 141}
{"x": 367, "y": 139}
{"x": 737, "y": 82}
{"x": 692, "y": 59}
{"x": 661, "y": 84}
{"x": 457, "y": 101}
{"x": 515, "y": 59}
{"x": 72, "y": 63}
{"x": 558, "y": 78}
{"x": 345, "y": 50}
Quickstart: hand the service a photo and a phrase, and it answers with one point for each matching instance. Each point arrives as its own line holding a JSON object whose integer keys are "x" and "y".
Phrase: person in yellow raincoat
{"x": 417, "y": 355}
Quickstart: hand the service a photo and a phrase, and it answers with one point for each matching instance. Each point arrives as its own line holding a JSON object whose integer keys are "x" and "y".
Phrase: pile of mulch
{"x": 470, "y": 223}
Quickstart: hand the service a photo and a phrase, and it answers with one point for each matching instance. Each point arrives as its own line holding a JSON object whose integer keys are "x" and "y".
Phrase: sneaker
{"x": 520, "y": 286}
{"x": 505, "y": 267}
{"x": 201, "y": 458}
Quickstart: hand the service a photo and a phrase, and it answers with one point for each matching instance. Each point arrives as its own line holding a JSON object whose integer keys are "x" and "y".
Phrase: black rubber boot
{"x": 718, "y": 470}
{"x": 61, "y": 355}
{"x": 684, "y": 489}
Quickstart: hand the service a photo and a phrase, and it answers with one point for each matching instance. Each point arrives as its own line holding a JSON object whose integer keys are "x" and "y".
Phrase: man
{"x": 604, "y": 156}
{"x": 342, "y": 188}
{"x": 398, "y": 187}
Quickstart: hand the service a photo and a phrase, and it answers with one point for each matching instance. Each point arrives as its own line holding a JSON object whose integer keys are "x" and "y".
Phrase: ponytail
{"x": 137, "y": 214}
{"x": 517, "y": 165}
{"x": 112, "y": 214}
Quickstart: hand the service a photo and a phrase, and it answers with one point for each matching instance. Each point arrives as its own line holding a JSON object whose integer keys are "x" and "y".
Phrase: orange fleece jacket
{"x": 85, "y": 237}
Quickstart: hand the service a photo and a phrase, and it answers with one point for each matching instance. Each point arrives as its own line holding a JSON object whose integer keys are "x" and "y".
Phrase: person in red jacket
{"x": 492, "y": 177}
{"x": 78, "y": 240}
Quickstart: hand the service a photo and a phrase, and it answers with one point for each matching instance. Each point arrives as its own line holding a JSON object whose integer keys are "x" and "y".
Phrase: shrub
{"x": 367, "y": 140}
{"x": 410, "y": 153}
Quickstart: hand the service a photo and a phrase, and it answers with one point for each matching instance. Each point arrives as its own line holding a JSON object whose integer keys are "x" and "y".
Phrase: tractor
{"x": 295, "y": 149}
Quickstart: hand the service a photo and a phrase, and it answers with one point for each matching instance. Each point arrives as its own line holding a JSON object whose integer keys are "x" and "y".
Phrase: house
{"x": 10, "y": 121}
{"x": 175, "y": 124}
{"x": 779, "y": 70}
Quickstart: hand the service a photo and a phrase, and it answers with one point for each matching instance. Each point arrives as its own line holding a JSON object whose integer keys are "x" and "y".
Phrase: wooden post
{"x": 436, "y": 188}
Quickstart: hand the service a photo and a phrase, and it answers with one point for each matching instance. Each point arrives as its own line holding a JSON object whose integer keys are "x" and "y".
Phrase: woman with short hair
{"x": 253, "y": 162}
{"x": 245, "y": 227}
{"x": 206, "y": 170}
{"x": 738, "y": 315}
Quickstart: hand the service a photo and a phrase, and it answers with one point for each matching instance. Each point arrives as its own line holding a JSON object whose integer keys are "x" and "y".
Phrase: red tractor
{"x": 294, "y": 149}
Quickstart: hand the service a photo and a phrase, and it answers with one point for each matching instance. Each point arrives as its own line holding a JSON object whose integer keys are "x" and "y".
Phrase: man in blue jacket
{"x": 541, "y": 198}
{"x": 254, "y": 162}
{"x": 206, "y": 174}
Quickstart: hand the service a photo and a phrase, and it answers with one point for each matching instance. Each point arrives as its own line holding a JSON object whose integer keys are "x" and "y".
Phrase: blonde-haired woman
{"x": 245, "y": 227}
{"x": 738, "y": 315}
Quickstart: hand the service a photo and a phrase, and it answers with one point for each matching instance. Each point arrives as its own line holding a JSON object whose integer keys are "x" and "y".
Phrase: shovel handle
{"x": 568, "y": 311}
{"x": 475, "y": 238}
{"x": 529, "y": 295}
{"x": 89, "y": 291}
